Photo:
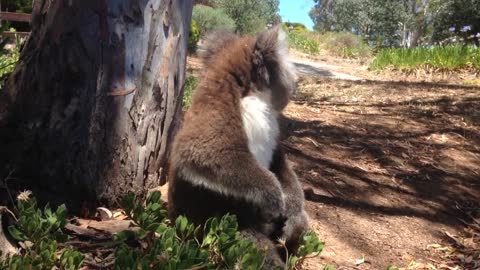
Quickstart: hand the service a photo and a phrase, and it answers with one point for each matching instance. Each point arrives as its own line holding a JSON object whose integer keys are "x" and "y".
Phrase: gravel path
{"x": 318, "y": 68}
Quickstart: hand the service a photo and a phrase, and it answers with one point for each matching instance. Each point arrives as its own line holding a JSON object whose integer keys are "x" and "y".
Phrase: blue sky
{"x": 296, "y": 11}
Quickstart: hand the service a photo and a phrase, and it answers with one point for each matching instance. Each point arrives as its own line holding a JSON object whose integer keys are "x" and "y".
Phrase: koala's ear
{"x": 214, "y": 42}
{"x": 272, "y": 42}
{"x": 271, "y": 54}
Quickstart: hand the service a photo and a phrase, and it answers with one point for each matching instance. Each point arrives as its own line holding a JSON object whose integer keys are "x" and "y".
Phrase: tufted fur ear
{"x": 271, "y": 64}
{"x": 214, "y": 42}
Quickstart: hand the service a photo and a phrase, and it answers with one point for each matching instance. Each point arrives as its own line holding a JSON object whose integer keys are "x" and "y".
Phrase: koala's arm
{"x": 236, "y": 173}
{"x": 297, "y": 217}
{"x": 294, "y": 196}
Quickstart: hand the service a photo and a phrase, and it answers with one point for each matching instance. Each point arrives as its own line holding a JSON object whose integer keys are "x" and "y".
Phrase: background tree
{"x": 404, "y": 22}
{"x": 250, "y": 16}
{"x": 322, "y": 15}
{"x": 92, "y": 105}
{"x": 376, "y": 20}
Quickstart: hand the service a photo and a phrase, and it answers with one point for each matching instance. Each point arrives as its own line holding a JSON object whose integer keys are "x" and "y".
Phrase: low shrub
{"x": 303, "y": 42}
{"x": 345, "y": 45}
{"x": 297, "y": 27}
{"x": 156, "y": 243}
{"x": 340, "y": 44}
{"x": 193, "y": 37}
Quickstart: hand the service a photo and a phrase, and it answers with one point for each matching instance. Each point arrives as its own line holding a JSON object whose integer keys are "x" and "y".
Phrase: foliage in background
{"x": 8, "y": 60}
{"x": 406, "y": 23}
{"x": 250, "y": 16}
{"x": 447, "y": 58}
{"x": 7, "y": 64}
{"x": 24, "y": 6}
{"x": 377, "y": 20}
{"x": 456, "y": 17}
{"x": 208, "y": 18}
{"x": 156, "y": 243}
{"x": 193, "y": 36}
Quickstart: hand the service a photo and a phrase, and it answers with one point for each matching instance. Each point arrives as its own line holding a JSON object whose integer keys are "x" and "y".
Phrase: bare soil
{"x": 389, "y": 164}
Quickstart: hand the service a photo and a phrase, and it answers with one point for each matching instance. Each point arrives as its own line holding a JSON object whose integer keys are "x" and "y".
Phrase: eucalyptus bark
{"x": 94, "y": 102}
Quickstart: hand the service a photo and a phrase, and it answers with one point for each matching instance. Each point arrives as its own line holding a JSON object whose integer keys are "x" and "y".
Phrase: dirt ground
{"x": 390, "y": 164}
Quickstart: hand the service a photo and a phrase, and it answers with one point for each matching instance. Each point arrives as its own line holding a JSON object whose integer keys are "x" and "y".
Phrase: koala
{"x": 226, "y": 157}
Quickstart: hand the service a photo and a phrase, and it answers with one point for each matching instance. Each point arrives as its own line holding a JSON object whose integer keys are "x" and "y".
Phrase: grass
{"x": 447, "y": 58}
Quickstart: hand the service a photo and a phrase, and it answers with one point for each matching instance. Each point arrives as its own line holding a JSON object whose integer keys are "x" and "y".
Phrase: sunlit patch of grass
{"x": 475, "y": 82}
{"x": 190, "y": 84}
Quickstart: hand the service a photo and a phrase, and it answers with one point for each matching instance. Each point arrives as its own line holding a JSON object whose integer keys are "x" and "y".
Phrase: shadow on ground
{"x": 387, "y": 149}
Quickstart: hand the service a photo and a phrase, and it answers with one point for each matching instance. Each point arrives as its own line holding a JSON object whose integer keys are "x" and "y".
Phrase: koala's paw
{"x": 274, "y": 229}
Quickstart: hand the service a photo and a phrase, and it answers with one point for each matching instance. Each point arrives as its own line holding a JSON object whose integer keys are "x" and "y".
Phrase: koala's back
{"x": 199, "y": 203}
{"x": 220, "y": 159}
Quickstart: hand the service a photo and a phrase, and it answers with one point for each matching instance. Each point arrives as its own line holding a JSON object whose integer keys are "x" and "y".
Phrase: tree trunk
{"x": 92, "y": 106}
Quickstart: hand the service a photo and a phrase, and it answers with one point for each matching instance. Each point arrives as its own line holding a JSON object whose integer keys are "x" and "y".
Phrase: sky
{"x": 296, "y": 11}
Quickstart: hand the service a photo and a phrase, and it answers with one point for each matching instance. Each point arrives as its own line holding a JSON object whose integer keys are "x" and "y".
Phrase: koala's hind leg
{"x": 297, "y": 219}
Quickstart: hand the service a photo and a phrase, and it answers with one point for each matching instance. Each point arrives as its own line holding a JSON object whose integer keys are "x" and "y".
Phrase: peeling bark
{"x": 6, "y": 247}
{"x": 91, "y": 108}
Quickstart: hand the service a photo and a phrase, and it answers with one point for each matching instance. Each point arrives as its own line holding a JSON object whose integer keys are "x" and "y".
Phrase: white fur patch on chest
{"x": 261, "y": 126}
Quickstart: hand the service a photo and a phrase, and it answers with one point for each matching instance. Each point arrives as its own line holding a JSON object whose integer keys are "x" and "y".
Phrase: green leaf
{"x": 155, "y": 197}
{"x": 15, "y": 233}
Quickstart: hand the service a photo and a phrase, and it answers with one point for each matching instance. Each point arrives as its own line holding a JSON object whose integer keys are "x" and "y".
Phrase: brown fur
{"x": 212, "y": 143}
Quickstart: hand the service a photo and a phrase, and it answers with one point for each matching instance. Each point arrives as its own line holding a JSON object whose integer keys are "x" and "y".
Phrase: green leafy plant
{"x": 8, "y": 60}
{"x": 178, "y": 246}
{"x": 155, "y": 242}
{"x": 39, "y": 233}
